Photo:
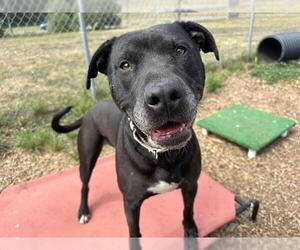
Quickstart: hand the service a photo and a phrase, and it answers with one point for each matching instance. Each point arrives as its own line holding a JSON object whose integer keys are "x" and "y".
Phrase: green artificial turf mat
{"x": 245, "y": 126}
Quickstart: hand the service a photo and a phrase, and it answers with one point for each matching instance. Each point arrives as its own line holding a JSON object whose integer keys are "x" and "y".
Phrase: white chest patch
{"x": 162, "y": 187}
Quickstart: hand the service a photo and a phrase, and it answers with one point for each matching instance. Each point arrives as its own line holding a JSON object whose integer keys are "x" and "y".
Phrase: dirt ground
{"x": 272, "y": 177}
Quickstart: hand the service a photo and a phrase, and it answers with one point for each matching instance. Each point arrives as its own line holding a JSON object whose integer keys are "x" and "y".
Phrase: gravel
{"x": 273, "y": 176}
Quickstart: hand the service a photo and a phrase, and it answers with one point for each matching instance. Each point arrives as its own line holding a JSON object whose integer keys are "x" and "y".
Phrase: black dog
{"x": 156, "y": 78}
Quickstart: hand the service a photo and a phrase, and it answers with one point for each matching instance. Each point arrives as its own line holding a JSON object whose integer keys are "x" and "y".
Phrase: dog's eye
{"x": 125, "y": 66}
{"x": 180, "y": 50}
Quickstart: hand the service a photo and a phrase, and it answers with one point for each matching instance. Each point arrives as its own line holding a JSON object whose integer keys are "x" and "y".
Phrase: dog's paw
{"x": 84, "y": 218}
{"x": 191, "y": 232}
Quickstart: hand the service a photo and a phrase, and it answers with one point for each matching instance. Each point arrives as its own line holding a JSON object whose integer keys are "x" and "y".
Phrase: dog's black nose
{"x": 163, "y": 95}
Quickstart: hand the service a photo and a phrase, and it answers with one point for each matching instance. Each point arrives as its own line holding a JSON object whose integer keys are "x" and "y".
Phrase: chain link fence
{"x": 27, "y": 18}
{"x": 229, "y": 20}
{"x": 42, "y": 17}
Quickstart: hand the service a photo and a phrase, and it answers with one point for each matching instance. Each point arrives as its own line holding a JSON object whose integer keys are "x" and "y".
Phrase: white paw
{"x": 84, "y": 218}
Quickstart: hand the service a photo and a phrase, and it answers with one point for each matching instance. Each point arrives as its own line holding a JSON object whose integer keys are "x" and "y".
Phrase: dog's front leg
{"x": 132, "y": 211}
{"x": 189, "y": 193}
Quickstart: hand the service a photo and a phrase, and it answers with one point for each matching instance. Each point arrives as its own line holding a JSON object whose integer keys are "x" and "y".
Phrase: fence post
{"x": 250, "y": 35}
{"x": 179, "y": 5}
{"x": 85, "y": 44}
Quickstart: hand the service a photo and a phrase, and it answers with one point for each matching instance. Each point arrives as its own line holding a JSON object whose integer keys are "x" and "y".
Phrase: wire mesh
{"x": 228, "y": 19}
{"x": 56, "y": 22}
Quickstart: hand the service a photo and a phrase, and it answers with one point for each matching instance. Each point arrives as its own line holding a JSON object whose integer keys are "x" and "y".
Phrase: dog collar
{"x": 143, "y": 142}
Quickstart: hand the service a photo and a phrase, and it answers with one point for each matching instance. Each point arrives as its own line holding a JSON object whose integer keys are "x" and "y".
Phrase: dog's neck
{"x": 143, "y": 142}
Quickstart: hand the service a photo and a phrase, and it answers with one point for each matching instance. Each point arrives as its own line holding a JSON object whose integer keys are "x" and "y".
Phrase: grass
{"x": 4, "y": 120}
{"x": 47, "y": 78}
{"x": 38, "y": 106}
{"x": 34, "y": 131}
{"x": 213, "y": 81}
{"x": 275, "y": 72}
{"x": 39, "y": 140}
{"x": 270, "y": 73}
{"x": 33, "y": 140}
{"x": 56, "y": 143}
{"x": 217, "y": 75}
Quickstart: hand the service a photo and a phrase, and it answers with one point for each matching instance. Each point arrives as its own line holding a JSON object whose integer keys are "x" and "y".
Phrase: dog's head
{"x": 157, "y": 77}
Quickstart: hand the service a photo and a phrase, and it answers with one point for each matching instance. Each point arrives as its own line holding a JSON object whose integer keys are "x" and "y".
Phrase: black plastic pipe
{"x": 279, "y": 47}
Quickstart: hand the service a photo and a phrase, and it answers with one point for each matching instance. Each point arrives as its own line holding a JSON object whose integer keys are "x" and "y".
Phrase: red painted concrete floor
{"x": 47, "y": 207}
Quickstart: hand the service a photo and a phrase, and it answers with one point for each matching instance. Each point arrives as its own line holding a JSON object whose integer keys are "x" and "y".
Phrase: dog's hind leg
{"x": 90, "y": 143}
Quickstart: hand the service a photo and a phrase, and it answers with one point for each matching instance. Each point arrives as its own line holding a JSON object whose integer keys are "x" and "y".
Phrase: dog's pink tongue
{"x": 168, "y": 129}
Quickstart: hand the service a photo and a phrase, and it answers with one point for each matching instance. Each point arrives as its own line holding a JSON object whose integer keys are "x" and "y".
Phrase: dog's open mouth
{"x": 168, "y": 130}
{"x": 171, "y": 134}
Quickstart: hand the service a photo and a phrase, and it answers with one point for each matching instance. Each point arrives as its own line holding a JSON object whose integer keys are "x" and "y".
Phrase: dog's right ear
{"x": 99, "y": 61}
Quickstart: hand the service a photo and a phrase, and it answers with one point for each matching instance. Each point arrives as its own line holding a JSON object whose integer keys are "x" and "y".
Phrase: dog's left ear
{"x": 201, "y": 36}
{"x": 99, "y": 61}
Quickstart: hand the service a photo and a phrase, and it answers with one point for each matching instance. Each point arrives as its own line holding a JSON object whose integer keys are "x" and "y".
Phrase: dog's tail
{"x": 66, "y": 128}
